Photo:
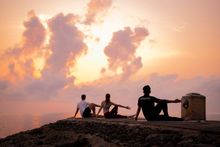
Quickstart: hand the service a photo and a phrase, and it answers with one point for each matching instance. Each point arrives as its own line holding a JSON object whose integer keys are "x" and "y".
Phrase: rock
{"x": 186, "y": 143}
{"x": 101, "y": 133}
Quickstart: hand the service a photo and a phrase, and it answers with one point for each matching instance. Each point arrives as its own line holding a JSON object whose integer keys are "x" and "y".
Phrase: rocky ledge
{"x": 117, "y": 132}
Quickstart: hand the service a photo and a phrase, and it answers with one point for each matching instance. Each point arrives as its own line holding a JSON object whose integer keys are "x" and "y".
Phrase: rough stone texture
{"x": 117, "y": 132}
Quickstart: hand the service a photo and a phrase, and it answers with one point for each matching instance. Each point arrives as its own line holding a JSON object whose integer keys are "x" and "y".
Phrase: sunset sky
{"x": 53, "y": 51}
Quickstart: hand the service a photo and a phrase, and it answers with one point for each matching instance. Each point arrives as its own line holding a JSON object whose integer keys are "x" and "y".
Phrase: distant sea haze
{"x": 10, "y": 124}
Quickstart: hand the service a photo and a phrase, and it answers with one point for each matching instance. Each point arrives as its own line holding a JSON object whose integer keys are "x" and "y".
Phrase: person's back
{"x": 106, "y": 106}
{"x": 152, "y": 112}
{"x": 147, "y": 104}
{"x": 82, "y": 105}
{"x": 85, "y": 108}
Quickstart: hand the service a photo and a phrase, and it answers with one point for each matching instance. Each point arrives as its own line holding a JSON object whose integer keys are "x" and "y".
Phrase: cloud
{"x": 66, "y": 41}
{"x": 132, "y": 68}
{"x": 65, "y": 46}
{"x": 33, "y": 37}
{"x": 121, "y": 51}
{"x": 96, "y": 9}
{"x": 35, "y": 33}
{"x": 18, "y": 60}
{"x": 170, "y": 86}
{"x": 163, "y": 86}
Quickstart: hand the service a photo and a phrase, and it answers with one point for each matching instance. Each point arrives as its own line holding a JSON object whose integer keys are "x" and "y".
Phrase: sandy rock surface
{"x": 113, "y": 133}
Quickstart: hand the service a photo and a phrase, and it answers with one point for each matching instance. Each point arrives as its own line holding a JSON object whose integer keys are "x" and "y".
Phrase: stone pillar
{"x": 193, "y": 107}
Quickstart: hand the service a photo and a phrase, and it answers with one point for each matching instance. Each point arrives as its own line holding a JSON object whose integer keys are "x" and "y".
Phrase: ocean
{"x": 11, "y": 124}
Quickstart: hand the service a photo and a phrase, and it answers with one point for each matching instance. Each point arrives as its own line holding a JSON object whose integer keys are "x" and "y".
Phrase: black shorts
{"x": 109, "y": 115}
{"x": 87, "y": 112}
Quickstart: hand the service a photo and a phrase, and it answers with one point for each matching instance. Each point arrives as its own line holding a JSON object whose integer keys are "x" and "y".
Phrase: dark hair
{"x": 83, "y": 96}
{"x": 146, "y": 89}
{"x": 107, "y": 98}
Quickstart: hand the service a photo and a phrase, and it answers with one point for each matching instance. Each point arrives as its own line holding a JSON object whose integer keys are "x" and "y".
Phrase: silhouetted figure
{"x": 106, "y": 104}
{"x": 150, "y": 110}
{"x": 85, "y": 108}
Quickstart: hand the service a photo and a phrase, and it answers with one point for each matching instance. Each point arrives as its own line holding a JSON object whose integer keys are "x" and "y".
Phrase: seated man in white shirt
{"x": 85, "y": 108}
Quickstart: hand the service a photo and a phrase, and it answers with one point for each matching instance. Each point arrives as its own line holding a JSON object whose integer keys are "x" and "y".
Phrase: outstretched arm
{"x": 126, "y": 107}
{"x": 157, "y": 100}
{"x": 99, "y": 110}
{"x": 77, "y": 109}
{"x": 137, "y": 113}
{"x": 174, "y": 101}
{"x": 96, "y": 105}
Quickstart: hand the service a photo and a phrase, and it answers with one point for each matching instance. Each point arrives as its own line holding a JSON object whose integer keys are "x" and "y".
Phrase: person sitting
{"x": 106, "y": 104}
{"x": 85, "y": 108}
{"x": 152, "y": 112}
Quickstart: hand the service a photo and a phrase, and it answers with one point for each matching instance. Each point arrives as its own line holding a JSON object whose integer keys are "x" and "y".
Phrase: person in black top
{"x": 150, "y": 110}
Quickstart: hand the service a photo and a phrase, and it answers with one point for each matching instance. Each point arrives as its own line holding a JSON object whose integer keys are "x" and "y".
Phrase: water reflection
{"x": 10, "y": 124}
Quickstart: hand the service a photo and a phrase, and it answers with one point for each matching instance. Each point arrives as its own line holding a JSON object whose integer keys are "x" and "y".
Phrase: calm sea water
{"x": 10, "y": 124}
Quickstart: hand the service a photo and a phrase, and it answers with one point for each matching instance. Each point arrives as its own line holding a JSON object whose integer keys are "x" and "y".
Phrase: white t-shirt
{"x": 106, "y": 106}
{"x": 82, "y": 105}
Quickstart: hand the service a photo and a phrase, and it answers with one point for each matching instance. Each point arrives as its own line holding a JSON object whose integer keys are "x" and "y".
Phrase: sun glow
{"x": 97, "y": 37}
{"x": 39, "y": 64}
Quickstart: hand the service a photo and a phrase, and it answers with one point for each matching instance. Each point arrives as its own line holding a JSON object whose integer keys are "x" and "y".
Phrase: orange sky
{"x": 89, "y": 43}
